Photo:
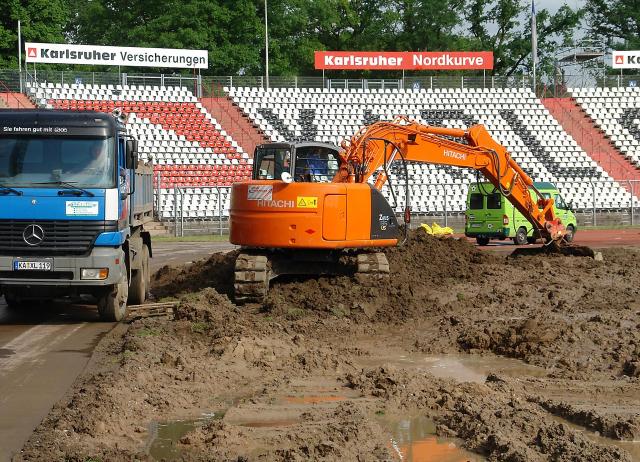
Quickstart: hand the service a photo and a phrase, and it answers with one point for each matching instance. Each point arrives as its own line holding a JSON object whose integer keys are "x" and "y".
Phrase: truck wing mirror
{"x": 132, "y": 154}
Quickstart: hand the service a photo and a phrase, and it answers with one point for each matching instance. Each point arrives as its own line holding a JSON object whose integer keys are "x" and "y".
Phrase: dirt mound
{"x": 417, "y": 270}
{"x": 216, "y": 272}
{"x": 354, "y": 349}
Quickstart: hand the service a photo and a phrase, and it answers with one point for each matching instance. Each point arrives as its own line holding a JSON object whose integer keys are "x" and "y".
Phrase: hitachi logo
{"x": 276, "y": 204}
{"x": 455, "y": 155}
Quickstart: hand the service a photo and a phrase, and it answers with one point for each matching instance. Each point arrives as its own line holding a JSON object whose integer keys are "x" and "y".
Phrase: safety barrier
{"x": 216, "y": 220}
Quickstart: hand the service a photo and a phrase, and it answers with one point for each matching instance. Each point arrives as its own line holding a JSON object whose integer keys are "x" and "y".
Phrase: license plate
{"x": 26, "y": 265}
{"x": 476, "y": 225}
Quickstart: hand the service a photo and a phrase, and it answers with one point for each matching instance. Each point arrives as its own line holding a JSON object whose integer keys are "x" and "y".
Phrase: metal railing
{"x": 593, "y": 212}
{"x": 180, "y": 219}
{"x": 206, "y": 85}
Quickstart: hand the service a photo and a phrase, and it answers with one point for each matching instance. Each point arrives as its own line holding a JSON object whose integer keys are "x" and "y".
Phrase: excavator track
{"x": 373, "y": 264}
{"x": 251, "y": 278}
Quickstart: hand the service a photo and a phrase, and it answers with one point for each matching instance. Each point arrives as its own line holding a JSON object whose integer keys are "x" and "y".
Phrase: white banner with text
{"x": 115, "y": 56}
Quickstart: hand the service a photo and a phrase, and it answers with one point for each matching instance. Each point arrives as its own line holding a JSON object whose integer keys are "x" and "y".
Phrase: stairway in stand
{"x": 234, "y": 122}
{"x": 15, "y": 100}
{"x": 591, "y": 139}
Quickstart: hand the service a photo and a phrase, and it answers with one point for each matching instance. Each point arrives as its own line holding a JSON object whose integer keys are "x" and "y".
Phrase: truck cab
{"x": 73, "y": 203}
{"x": 489, "y": 215}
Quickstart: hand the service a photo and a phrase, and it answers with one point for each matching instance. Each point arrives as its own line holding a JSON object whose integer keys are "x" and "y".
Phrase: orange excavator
{"x": 312, "y": 208}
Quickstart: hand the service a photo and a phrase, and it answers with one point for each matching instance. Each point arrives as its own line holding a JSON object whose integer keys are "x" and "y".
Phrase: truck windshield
{"x": 47, "y": 161}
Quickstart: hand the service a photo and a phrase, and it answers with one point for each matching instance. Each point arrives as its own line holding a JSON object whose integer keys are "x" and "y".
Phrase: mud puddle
{"x": 632, "y": 447}
{"x": 165, "y": 436}
{"x": 414, "y": 440}
{"x": 460, "y": 367}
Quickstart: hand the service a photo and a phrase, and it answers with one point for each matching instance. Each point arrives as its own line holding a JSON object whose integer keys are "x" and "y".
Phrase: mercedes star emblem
{"x": 33, "y": 235}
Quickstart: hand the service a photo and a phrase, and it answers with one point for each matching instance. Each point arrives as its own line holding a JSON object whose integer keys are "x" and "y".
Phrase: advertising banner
{"x": 626, "y": 59}
{"x": 404, "y": 60}
{"x": 115, "y": 56}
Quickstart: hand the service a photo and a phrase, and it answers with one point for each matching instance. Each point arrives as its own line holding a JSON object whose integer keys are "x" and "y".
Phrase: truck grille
{"x": 61, "y": 237}
{"x": 36, "y": 275}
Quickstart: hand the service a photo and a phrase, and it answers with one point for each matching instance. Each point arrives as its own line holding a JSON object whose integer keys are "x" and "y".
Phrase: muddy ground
{"x": 459, "y": 355}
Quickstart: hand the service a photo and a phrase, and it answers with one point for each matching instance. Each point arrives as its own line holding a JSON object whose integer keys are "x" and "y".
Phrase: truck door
{"x": 561, "y": 208}
{"x": 494, "y": 212}
{"x": 475, "y": 211}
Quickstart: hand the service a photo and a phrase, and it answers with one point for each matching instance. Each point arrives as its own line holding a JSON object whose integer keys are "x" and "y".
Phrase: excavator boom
{"x": 382, "y": 143}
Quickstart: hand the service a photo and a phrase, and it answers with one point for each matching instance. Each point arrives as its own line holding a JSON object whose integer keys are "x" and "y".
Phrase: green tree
{"x": 615, "y": 22}
{"x": 231, "y": 30}
{"x": 428, "y": 25}
{"x": 510, "y": 36}
{"x": 297, "y": 28}
{"x": 41, "y": 21}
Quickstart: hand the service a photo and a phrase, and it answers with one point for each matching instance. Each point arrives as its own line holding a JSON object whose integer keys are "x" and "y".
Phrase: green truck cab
{"x": 490, "y": 215}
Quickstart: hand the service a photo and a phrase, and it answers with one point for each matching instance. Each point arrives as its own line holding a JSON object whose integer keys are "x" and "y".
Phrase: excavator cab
{"x": 306, "y": 162}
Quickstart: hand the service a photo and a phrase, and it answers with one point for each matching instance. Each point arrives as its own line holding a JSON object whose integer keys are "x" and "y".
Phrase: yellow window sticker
{"x": 305, "y": 202}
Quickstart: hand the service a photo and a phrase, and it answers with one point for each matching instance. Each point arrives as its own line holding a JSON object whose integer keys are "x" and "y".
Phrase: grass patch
{"x": 196, "y": 238}
{"x": 605, "y": 227}
{"x": 199, "y": 327}
{"x": 295, "y": 313}
{"x": 147, "y": 332}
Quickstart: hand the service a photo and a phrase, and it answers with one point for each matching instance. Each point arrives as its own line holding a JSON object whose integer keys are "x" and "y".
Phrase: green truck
{"x": 490, "y": 215}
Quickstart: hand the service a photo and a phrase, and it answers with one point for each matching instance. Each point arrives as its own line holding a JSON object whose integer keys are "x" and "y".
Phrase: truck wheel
{"x": 112, "y": 304}
{"x": 482, "y": 240}
{"x": 521, "y": 236}
{"x": 140, "y": 280}
{"x": 570, "y": 233}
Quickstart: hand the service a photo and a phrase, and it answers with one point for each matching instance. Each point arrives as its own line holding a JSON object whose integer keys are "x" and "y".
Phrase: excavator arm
{"x": 375, "y": 147}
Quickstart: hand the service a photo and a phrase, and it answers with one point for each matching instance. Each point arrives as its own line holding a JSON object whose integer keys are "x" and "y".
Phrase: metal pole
{"x": 20, "y": 56}
{"x": 534, "y": 45}
{"x": 631, "y": 200}
{"x": 266, "y": 46}
{"x": 446, "y": 206}
{"x": 593, "y": 205}
{"x": 219, "y": 211}
{"x": 175, "y": 211}
{"x": 181, "y": 213}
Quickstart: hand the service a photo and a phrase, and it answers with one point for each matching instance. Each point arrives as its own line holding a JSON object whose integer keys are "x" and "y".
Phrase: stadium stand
{"x": 515, "y": 117}
{"x": 615, "y": 111}
{"x": 191, "y": 150}
{"x": 188, "y": 146}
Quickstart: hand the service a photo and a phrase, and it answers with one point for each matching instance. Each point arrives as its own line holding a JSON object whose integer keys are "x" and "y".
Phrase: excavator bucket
{"x": 557, "y": 247}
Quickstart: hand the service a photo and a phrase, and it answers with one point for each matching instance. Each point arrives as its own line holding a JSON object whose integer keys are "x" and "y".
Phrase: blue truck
{"x": 73, "y": 204}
